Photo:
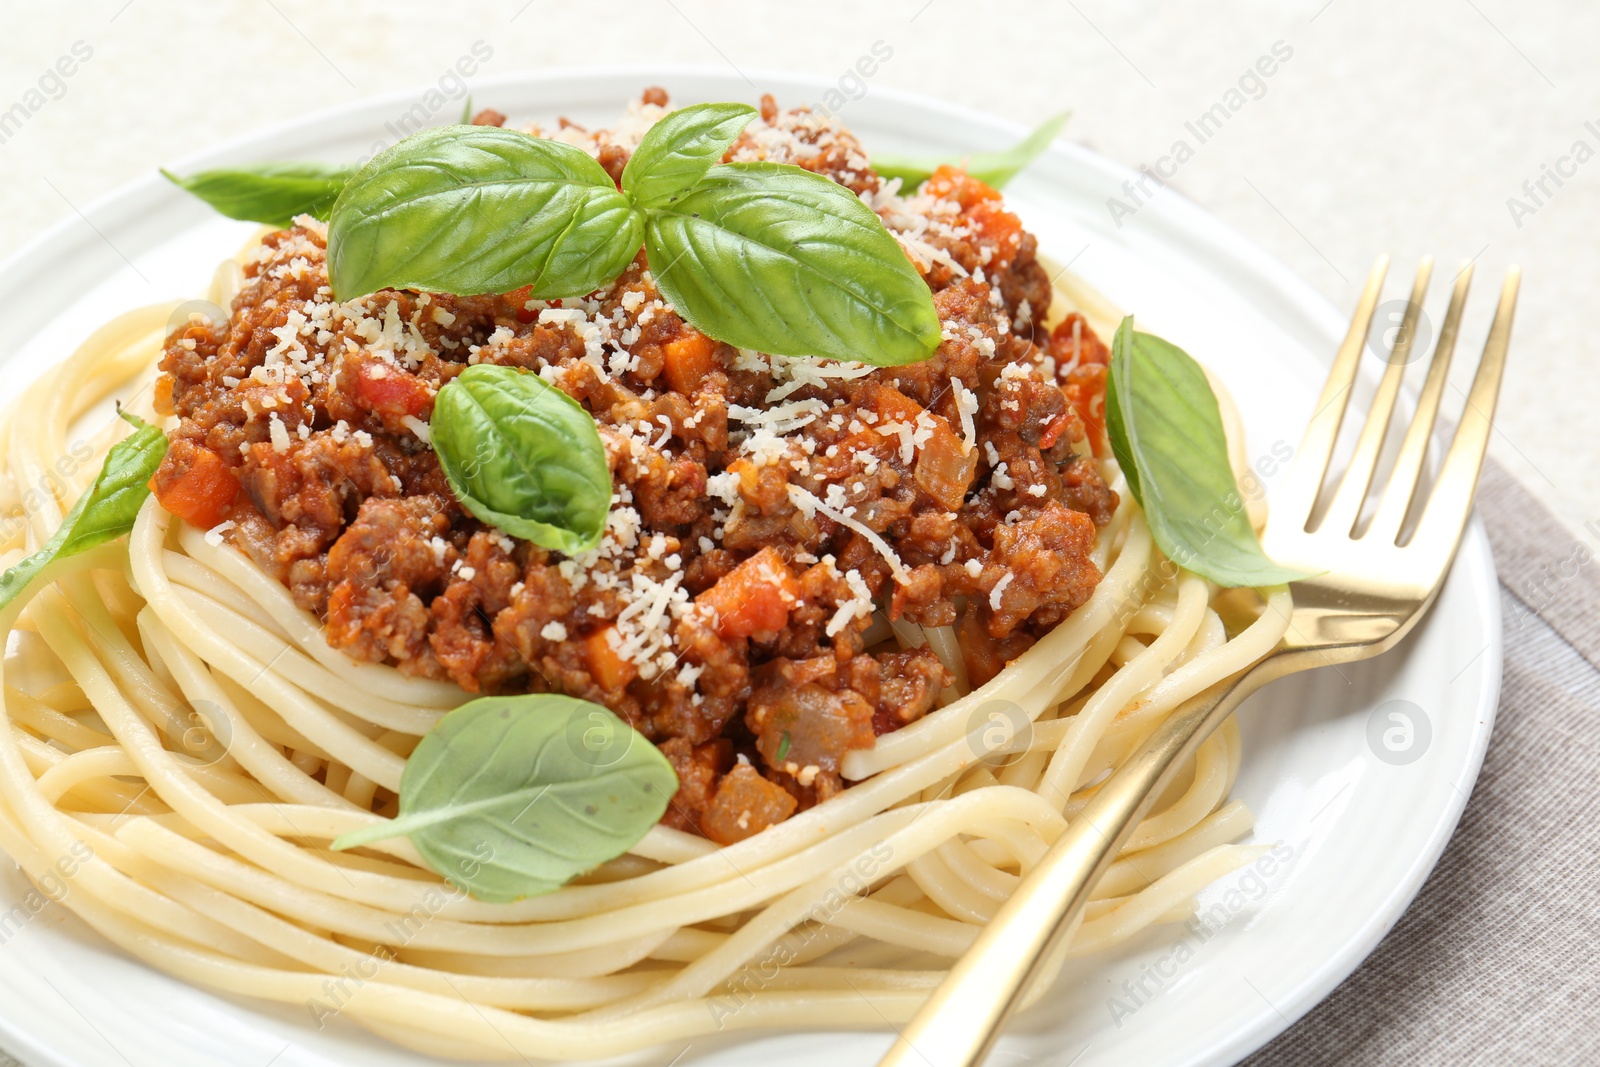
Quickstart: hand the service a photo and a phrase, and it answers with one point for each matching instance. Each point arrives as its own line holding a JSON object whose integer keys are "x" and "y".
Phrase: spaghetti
{"x": 181, "y": 745}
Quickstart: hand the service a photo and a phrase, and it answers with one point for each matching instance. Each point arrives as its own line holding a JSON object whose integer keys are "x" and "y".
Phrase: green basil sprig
{"x": 480, "y": 209}
{"x": 759, "y": 255}
{"x": 1166, "y": 432}
{"x": 676, "y": 152}
{"x": 764, "y": 256}
{"x": 772, "y": 257}
{"x": 994, "y": 169}
{"x": 523, "y": 456}
{"x": 102, "y": 514}
{"x": 269, "y": 193}
{"x": 510, "y": 797}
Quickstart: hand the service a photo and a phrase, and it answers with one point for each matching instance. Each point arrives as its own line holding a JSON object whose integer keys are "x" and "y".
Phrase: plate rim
{"x": 1175, "y": 211}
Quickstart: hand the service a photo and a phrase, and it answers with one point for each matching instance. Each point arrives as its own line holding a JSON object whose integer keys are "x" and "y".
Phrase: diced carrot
{"x": 1067, "y": 422}
{"x": 754, "y": 597}
{"x": 982, "y": 209}
{"x": 690, "y": 357}
{"x": 890, "y": 404}
{"x": 998, "y": 228}
{"x": 606, "y": 665}
{"x": 161, "y": 400}
{"x": 195, "y": 484}
{"x": 952, "y": 183}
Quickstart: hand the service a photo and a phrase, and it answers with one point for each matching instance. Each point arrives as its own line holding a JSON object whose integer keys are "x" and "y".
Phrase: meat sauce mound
{"x": 724, "y": 615}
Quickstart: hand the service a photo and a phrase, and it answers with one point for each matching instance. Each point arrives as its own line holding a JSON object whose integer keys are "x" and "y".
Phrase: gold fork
{"x": 1372, "y": 586}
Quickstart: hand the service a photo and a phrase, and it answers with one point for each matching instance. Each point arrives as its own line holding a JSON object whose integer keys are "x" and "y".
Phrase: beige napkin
{"x": 1498, "y": 960}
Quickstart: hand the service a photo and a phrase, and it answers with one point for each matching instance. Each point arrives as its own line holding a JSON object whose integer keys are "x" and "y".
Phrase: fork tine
{"x": 1451, "y": 500}
{"x": 1346, "y": 507}
{"x": 1316, "y": 447}
{"x": 1402, "y": 487}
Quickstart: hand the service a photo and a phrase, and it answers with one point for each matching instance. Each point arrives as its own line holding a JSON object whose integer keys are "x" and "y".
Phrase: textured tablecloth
{"x": 1495, "y": 961}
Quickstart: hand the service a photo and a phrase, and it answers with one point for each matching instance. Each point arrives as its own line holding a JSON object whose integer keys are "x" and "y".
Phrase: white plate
{"x": 1360, "y": 833}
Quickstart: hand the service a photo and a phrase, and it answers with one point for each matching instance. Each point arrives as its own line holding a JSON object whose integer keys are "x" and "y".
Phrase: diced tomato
{"x": 690, "y": 357}
{"x": 1065, "y": 423}
{"x": 387, "y": 389}
{"x": 754, "y": 597}
{"x": 606, "y": 666}
{"x": 195, "y": 484}
{"x": 518, "y": 298}
{"x": 1086, "y": 392}
{"x": 1073, "y": 343}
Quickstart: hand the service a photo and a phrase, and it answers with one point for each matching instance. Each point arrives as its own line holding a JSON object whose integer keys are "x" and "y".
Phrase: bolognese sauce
{"x": 765, "y": 512}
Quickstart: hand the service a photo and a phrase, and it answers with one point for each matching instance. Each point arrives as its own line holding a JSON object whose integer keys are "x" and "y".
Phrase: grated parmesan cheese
{"x": 796, "y": 373}
{"x": 423, "y": 431}
{"x": 999, "y": 587}
{"x": 809, "y": 505}
{"x": 966, "y": 407}
{"x": 857, "y": 607}
{"x": 214, "y": 535}
{"x": 279, "y": 433}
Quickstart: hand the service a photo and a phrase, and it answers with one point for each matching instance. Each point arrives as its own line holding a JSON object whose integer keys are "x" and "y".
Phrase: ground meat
{"x": 614, "y": 158}
{"x": 1046, "y": 559}
{"x": 725, "y": 613}
{"x": 909, "y": 683}
{"x": 698, "y": 767}
{"x": 379, "y": 570}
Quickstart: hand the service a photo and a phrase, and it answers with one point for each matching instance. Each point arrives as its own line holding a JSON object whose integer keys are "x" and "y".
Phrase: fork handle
{"x": 960, "y": 1021}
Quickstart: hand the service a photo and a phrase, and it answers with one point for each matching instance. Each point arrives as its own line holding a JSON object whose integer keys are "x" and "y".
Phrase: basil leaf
{"x": 772, "y": 257}
{"x": 510, "y": 797}
{"x": 994, "y": 169}
{"x": 523, "y": 456}
{"x": 268, "y": 193}
{"x": 480, "y": 209}
{"x": 1166, "y": 433}
{"x": 102, "y": 514}
{"x": 677, "y": 151}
